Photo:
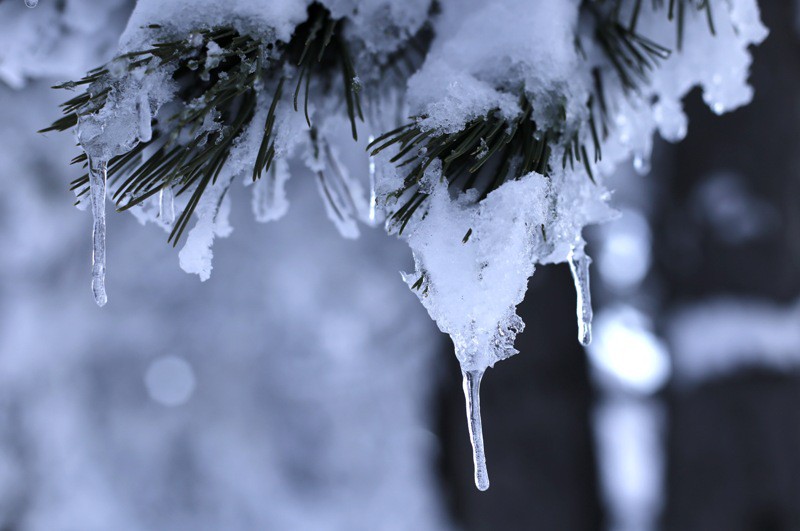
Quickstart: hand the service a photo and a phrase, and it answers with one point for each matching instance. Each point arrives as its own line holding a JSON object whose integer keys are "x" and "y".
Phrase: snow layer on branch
{"x": 720, "y": 63}
{"x": 270, "y": 19}
{"x": 381, "y": 25}
{"x": 475, "y": 259}
{"x": 484, "y": 52}
{"x": 471, "y": 288}
{"x": 487, "y": 50}
{"x": 117, "y": 127}
{"x": 212, "y": 212}
{"x": 717, "y": 63}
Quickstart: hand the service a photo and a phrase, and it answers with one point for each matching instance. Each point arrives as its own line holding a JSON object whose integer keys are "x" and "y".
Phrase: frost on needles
{"x": 479, "y": 130}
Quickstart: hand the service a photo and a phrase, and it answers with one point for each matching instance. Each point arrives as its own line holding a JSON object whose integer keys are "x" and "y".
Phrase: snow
{"x": 471, "y": 288}
{"x": 271, "y": 19}
{"x": 486, "y": 46}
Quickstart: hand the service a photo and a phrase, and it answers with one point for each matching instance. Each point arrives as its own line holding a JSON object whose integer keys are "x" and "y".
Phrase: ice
{"x": 374, "y": 216}
{"x": 472, "y": 389}
{"x": 145, "y": 118}
{"x": 97, "y": 186}
{"x": 166, "y": 206}
{"x": 579, "y": 263}
{"x": 31, "y": 3}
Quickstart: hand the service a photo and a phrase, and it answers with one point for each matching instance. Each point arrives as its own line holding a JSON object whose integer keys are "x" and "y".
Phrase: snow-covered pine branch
{"x": 491, "y": 126}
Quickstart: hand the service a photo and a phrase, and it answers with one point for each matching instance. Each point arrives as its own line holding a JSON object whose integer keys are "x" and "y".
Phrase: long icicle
{"x": 579, "y": 264}
{"x": 97, "y": 186}
{"x": 472, "y": 387}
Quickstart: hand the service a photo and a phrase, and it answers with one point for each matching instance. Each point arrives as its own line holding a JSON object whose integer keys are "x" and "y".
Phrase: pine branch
{"x": 184, "y": 153}
{"x": 486, "y": 153}
{"x": 481, "y": 156}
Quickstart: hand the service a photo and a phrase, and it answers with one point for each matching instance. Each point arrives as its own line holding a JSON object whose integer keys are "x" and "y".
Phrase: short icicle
{"x": 31, "y": 3}
{"x": 166, "y": 205}
{"x": 472, "y": 387}
{"x": 97, "y": 186}
{"x": 145, "y": 118}
{"x": 374, "y": 215}
{"x": 579, "y": 266}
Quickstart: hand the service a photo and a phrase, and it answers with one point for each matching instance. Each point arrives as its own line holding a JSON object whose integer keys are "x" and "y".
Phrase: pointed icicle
{"x": 579, "y": 266}
{"x": 472, "y": 388}
{"x": 373, "y": 198}
{"x": 97, "y": 186}
{"x": 166, "y": 205}
{"x": 31, "y": 3}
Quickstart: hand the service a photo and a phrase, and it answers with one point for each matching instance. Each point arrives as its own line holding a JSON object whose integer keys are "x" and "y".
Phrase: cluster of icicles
{"x": 578, "y": 260}
{"x": 579, "y": 263}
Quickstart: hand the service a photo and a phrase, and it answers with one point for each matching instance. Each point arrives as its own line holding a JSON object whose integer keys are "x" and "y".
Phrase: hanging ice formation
{"x": 31, "y": 3}
{"x": 579, "y": 267}
{"x": 97, "y": 192}
{"x": 472, "y": 396}
{"x": 476, "y": 242}
{"x": 373, "y": 198}
{"x": 166, "y": 205}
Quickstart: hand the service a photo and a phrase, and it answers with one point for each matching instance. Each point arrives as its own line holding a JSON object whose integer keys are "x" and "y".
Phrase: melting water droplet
{"x": 579, "y": 266}
{"x": 166, "y": 205}
{"x": 472, "y": 386}
{"x": 97, "y": 186}
{"x": 31, "y": 3}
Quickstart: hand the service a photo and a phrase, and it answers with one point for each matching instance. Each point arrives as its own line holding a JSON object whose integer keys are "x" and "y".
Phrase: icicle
{"x": 97, "y": 185}
{"x": 472, "y": 387}
{"x": 31, "y": 3}
{"x": 373, "y": 200}
{"x": 166, "y": 205}
{"x": 264, "y": 197}
{"x": 145, "y": 118}
{"x": 579, "y": 266}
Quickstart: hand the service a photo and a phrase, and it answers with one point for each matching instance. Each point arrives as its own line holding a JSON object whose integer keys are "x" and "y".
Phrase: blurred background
{"x": 303, "y": 387}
